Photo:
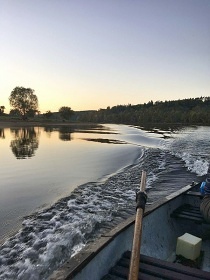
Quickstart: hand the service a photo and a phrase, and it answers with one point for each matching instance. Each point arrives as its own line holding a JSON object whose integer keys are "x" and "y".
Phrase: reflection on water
{"x": 48, "y": 130}
{"x": 107, "y": 141}
{"x": 25, "y": 142}
{"x": 65, "y": 133}
{"x": 2, "y": 135}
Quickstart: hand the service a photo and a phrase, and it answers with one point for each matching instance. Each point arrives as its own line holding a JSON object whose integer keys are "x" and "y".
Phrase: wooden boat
{"x": 163, "y": 222}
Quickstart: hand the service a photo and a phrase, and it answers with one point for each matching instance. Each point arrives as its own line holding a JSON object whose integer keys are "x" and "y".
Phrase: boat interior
{"x": 164, "y": 221}
{"x": 158, "y": 259}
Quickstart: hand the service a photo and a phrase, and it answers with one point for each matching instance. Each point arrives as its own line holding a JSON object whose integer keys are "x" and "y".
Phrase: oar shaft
{"x": 143, "y": 181}
{"x": 135, "y": 254}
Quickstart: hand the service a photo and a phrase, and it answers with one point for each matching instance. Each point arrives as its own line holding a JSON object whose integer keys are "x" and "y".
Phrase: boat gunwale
{"x": 76, "y": 263}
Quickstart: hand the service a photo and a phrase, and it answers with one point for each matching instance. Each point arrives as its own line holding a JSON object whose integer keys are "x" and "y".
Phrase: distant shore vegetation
{"x": 24, "y": 104}
{"x": 186, "y": 111}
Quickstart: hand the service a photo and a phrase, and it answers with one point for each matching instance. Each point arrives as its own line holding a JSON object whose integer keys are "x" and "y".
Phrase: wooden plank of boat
{"x": 187, "y": 211}
{"x": 152, "y": 268}
{"x": 159, "y": 235}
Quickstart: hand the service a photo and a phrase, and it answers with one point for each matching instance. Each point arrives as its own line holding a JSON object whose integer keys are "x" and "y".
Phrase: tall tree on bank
{"x": 24, "y": 100}
{"x": 66, "y": 112}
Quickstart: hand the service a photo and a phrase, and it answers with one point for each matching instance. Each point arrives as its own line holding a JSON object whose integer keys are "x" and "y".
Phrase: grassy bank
{"x": 6, "y": 121}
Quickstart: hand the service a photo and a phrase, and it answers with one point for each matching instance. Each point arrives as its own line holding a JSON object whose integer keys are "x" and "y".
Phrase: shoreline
{"x": 12, "y": 122}
{"x": 20, "y": 123}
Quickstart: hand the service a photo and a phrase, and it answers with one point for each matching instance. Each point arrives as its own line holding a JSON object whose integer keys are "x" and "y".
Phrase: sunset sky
{"x": 90, "y": 54}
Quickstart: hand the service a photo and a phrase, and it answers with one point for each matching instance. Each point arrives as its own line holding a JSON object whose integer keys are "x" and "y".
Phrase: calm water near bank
{"x": 40, "y": 165}
{"x": 94, "y": 171}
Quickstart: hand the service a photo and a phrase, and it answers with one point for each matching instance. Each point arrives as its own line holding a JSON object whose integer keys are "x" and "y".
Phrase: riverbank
{"x": 21, "y": 123}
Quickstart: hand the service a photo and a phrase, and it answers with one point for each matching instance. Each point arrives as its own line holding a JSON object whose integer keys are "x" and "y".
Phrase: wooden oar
{"x": 135, "y": 254}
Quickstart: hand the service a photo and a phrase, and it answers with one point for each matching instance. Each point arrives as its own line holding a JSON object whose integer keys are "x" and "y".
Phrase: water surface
{"x": 95, "y": 172}
{"x": 40, "y": 165}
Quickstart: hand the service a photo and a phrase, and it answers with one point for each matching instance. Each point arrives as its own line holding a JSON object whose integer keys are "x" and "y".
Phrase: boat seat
{"x": 189, "y": 212}
{"x": 195, "y": 193}
{"x": 151, "y": 268}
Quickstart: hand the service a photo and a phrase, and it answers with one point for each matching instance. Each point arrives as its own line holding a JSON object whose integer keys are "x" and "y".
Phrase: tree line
{"x": 185, "y": 111}
{"x": 25, "y": 104}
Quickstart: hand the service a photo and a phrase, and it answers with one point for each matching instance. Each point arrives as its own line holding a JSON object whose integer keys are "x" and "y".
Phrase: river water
{"x": 62, "y": 187}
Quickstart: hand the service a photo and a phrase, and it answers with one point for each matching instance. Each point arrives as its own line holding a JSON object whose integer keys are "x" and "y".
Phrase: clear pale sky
{"x": 90, "y": 54}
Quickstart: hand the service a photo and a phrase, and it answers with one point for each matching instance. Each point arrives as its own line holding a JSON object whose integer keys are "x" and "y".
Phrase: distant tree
{"x": 31, "y": 113}
{"x": 15, "y": 113}
{"x": 48, "y": 114}
{"x": 24, "y": 100}
{"x": 2, "y": 108}
{"x": 65, "y": 112}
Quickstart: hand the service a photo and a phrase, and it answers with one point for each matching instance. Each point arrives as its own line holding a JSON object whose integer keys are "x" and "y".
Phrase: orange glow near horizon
{"x": 104, "y": 53}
